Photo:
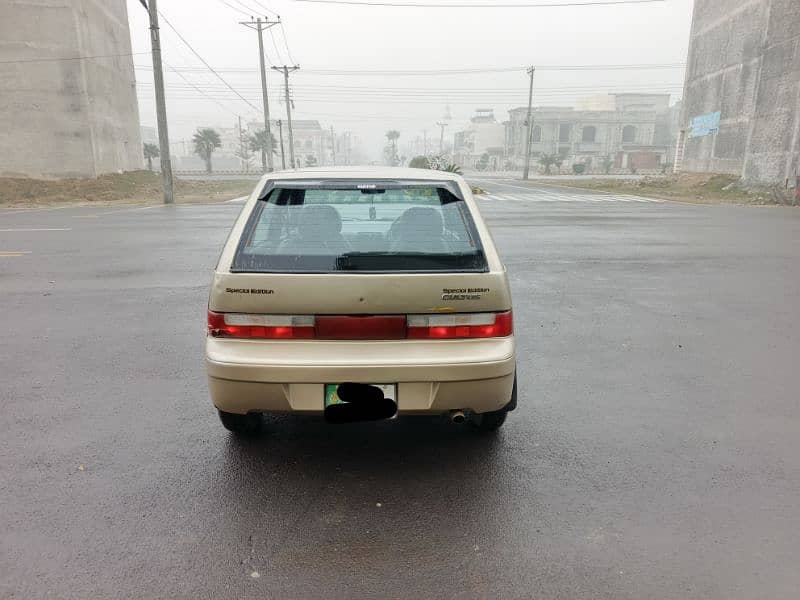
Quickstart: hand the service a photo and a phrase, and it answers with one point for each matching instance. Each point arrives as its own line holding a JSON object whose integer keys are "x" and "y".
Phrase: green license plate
{"x": 331, "y": 397}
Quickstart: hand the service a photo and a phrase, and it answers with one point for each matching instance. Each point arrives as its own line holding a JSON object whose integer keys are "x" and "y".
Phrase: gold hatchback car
{"x": 359, "y": 295}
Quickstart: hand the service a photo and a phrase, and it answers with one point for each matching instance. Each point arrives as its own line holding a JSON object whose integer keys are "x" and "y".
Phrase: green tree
{"x": 420, "y": 162}
{"x": 578, "y": 168}
{"x": 393, "y": 135}
{"x": 205, "y": 142}
{"x": 483, "y": 162}
{"x": 607, "y": 164}
{"x": 547, "y": 161}
{"x": 558, "y": 160}
{"x": 451, "y": 168}
{"x": 150, "y": 152}
{"x": 258, "y": 143}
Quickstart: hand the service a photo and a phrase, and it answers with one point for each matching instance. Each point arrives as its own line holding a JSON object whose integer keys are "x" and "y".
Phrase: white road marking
{"x": 113, "y": 212}
{"x": 12, "y": 253}
{"x": 49, "y": 229}
{"x": 10, "y": 210}
{"x": 242, "y": 199}
{"x": 528, "y": 198}
{"x": 572, "y": 197}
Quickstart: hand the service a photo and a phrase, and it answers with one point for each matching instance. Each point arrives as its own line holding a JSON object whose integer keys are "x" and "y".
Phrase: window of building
{"x": 628, "y": 134}
{"x": 564, "y": 132}
{"x": 536, "y": 134}
{"x": 589, "y": 134}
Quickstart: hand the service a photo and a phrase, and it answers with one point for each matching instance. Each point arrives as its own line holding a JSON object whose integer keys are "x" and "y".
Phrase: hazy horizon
{"x": 474, "y": 58}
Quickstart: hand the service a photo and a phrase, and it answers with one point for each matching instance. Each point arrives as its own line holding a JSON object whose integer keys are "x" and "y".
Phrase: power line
{"x": 239, "y": 10}
{"x": 465, "y": 71}
{"x": 265, "y": 8}
{"x": 193, "y": 86}
{"x": 495, "y": 5}
{"x": 641, "y": 88}
{"x": 32, "y": 60}
{"x": 437, "y": 102}
{"x": 188, "y": 45}
{"x": 438, "y": 72}
{"x": 286, "y": 43}
{"x": 274, "y": 45}
{"x": 246, "y": 7}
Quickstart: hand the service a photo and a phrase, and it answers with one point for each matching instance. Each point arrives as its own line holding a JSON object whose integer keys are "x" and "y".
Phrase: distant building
{"x": 741, "y": 110}
{"x": 149, "y": 134}
{"x": 481, "y": 144}
{"x": 310, "y": 140}
{"x": 622, "y": 128}
{"x": 67, "y": 90}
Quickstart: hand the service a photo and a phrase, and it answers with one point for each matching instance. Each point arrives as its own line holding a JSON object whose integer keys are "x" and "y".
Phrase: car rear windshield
{"x": 362, "y": 227}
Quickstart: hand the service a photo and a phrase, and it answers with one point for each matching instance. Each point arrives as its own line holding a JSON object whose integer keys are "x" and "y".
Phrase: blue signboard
{"x": 705, "y": 124}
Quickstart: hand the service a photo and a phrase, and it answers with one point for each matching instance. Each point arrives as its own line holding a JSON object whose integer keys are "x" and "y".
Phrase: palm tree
{"x": 451, "y": 168}
{"x": 392, "y": 135}
{"x": 258, "y": 143}
{"x": 547, "y": 161}
{"x": 150, "y": 152}
{"x": 558, "y": 160}
{"x": 205, "y": 142}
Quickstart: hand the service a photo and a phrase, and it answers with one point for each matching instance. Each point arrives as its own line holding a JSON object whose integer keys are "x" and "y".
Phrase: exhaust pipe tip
{"x": 457, "y": 416}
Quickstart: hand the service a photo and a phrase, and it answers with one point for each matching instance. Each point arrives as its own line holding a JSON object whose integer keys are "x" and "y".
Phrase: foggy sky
{"x": 352, "y": 38}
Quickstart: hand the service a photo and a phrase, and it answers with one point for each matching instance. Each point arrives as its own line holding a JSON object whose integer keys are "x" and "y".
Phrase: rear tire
{"x": 492, "y": 421}
{"x": 243, "y": 425}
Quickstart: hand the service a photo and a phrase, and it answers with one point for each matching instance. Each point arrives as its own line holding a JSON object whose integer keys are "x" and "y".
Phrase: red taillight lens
{"x": 389, "y": 327}
{"x": 272, "y": 327}
{"x": 350, "y": 327}
{"x": 458, "y": 326}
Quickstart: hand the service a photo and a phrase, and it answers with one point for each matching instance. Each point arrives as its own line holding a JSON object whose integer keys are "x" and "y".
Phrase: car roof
{"x": 365, "y": 173}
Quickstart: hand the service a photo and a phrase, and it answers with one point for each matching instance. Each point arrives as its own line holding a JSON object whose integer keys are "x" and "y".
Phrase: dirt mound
{"x": 711, "y": 188}
{"x": 134, "y": 187}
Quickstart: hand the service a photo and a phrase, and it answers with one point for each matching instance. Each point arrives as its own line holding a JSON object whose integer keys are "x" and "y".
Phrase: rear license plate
{"x": 331, "y": 397}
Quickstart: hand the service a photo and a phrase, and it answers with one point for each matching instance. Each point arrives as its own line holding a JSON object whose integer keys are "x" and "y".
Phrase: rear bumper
{"x": 289, "y": 376}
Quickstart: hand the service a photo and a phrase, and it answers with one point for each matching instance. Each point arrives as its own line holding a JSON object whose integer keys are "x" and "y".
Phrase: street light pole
{"x": 283, "y": 156}
{"x": 161, "y": 104}
{"x": 526, "y": 171}
{"x": 441, "y": 137}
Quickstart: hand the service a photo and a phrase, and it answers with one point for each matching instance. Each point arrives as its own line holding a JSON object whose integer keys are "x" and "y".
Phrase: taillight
{"x": 235, "y": 325}
{"x": 455, "y": 326}
{"x": 388, "y": 327}
{"x": 358, "y": 327}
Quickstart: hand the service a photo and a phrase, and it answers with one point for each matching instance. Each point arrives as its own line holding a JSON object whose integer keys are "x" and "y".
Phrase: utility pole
{"x": 161, "y": 104}
{"x": 283, "y": 156}
{"x": 241, "y": 146}
{"x": 333, "y": 146}
{"x": 261, "y": 26}
{"x": 527, "y": 170}
{"x": 286, "y": 70}
{"x": 425, "y": 143}
{"x": 441, "y": 137}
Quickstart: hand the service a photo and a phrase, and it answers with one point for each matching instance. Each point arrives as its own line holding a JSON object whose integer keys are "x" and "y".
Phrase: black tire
{"x": 243, "y": 425}
{"x": 492, "y": 421}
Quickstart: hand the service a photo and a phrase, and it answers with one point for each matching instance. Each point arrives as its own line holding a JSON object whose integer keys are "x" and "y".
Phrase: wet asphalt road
{"x": 655, "y": 453}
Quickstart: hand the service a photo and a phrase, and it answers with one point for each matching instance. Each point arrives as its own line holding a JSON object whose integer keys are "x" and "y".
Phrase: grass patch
{"x": 134, "y": 187}
{"x": 700, "y": 188}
